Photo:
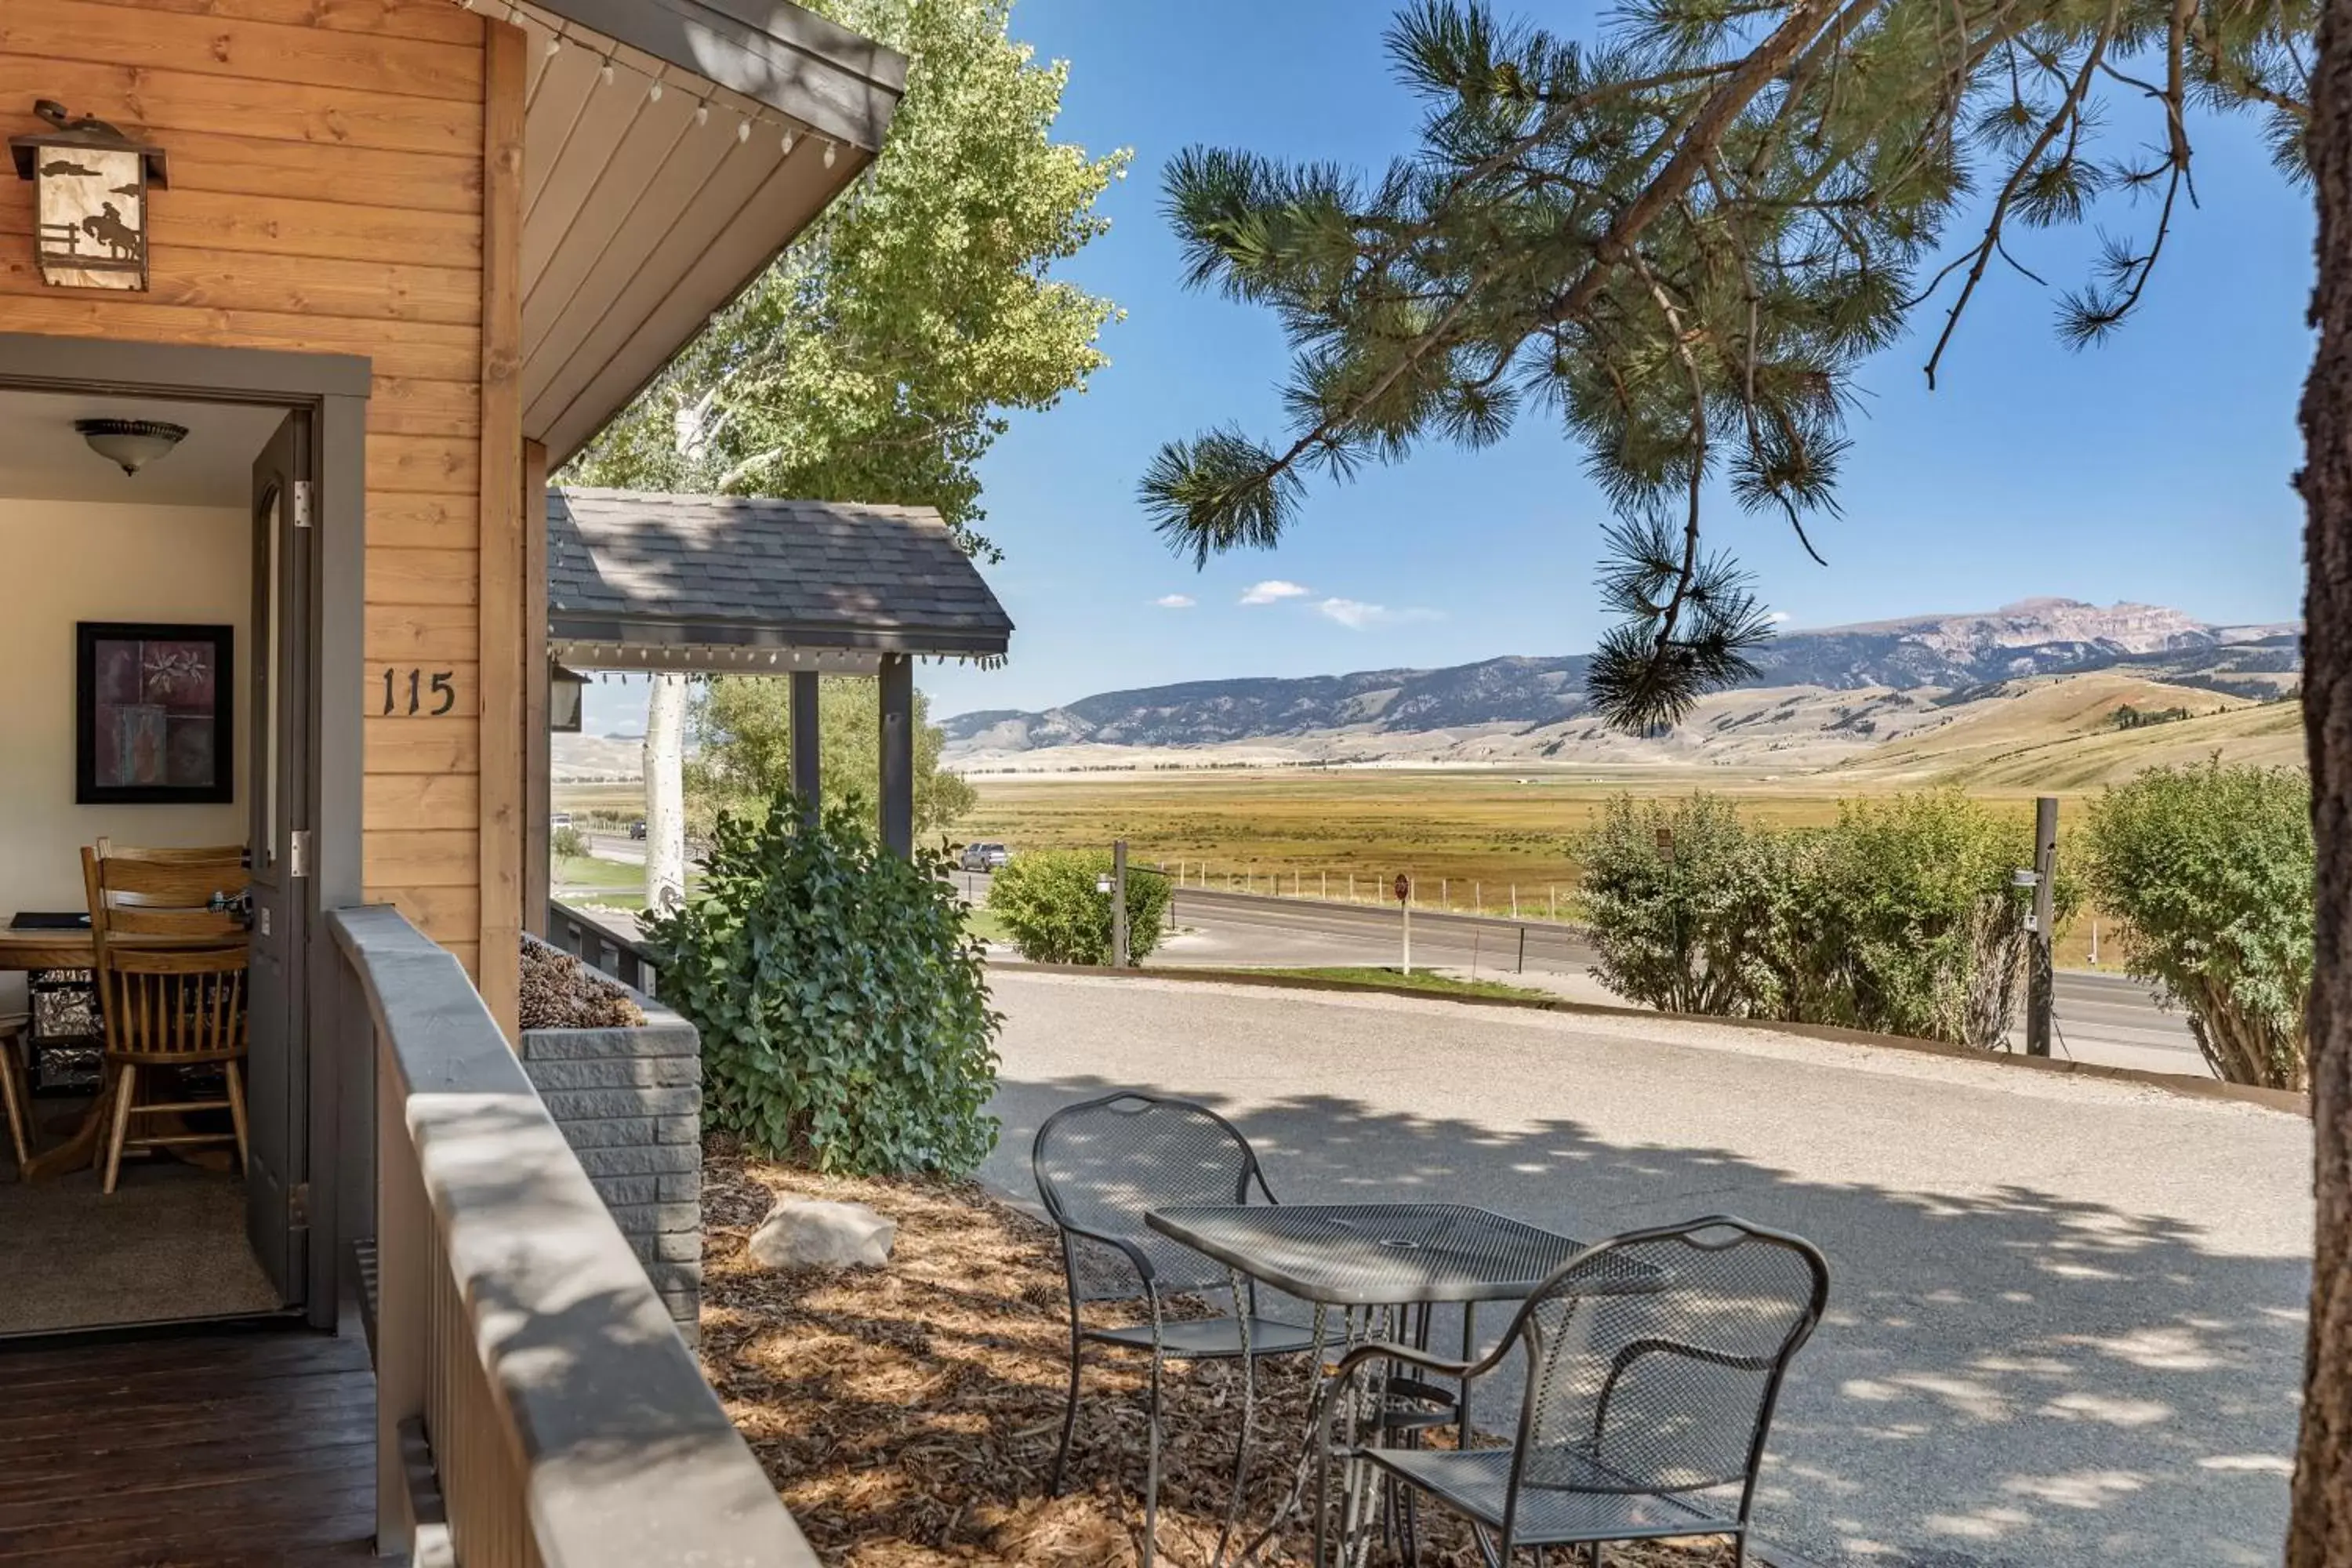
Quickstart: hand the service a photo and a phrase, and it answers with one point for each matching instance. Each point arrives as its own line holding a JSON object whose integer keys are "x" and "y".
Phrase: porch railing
{"x": 534, "y": 1403}
{"x": 600, "y": 947}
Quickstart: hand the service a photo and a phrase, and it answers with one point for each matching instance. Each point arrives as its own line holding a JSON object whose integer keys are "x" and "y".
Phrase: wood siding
{"x": 339, "y": 172}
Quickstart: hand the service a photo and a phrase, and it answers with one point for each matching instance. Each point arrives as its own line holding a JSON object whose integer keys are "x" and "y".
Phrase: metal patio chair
{"x": 1646, "y": 1405}
{"x": 1100, "y": 1167}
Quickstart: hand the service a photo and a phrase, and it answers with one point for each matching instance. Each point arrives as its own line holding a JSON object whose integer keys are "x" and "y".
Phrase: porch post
{"x": 537, "y": 749}
{"x": 898, "y": 683}
{"x": 806, "y": 760}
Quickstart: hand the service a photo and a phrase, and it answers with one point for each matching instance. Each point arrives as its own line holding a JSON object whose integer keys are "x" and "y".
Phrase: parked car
{"x": 561, "y": 819}
{"x": 985, "y": 857}
{"x": 637, "y": 829}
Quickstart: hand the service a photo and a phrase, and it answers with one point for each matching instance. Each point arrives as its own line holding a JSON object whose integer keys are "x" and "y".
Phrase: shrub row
{"x": 1899, "y": 919}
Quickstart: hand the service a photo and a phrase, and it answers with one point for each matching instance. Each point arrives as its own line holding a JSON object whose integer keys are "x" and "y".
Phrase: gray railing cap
{"x": 631, "y": 1461}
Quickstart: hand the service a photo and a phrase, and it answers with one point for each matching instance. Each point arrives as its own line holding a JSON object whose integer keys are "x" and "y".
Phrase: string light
{"x": 789, "y": 131}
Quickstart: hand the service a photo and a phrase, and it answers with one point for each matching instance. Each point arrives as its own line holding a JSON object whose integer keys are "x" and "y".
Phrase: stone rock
{"x": 800, "y": 1232}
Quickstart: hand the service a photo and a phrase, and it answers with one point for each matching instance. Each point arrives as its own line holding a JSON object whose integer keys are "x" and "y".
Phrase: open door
{"x": 279, "y": 774}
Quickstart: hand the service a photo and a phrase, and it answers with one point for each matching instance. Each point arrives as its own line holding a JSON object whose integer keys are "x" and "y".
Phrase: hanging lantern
{"x": 90, "y": 196}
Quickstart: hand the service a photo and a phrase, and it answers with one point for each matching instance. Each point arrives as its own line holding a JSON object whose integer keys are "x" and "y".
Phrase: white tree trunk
{"x": 666, "y": 794}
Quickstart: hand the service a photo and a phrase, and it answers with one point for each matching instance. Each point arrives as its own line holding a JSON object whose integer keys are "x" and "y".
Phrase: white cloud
{"x": 1175, "y": 601}
{"x": 1273, "y": 591}
{"x": 1778, "y": 618}
{"x": 1356, "y": 615}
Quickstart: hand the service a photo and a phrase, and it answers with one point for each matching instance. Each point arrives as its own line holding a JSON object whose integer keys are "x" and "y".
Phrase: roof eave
{"x": 626, "y": 629}
{"x": 794, "y": 61}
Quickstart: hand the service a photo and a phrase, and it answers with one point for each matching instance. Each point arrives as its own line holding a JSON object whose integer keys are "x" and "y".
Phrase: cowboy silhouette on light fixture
{"x": 106, "y": 228}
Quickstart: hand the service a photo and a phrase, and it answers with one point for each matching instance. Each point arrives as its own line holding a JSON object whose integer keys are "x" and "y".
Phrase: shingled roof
{"x": 647, "y": 577}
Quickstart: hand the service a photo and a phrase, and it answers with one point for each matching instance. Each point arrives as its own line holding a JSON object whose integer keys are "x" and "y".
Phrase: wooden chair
{"x": 13, "y": 1027}
{"x": 171, "y": 983}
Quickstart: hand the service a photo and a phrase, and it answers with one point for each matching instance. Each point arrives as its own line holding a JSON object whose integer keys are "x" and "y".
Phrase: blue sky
{"x": 2154, "y": 468}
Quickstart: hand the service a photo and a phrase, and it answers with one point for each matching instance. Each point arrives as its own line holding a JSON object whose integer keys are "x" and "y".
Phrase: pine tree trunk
{"x": 2320, "y": 1535}
{"x": 666, "y": 793}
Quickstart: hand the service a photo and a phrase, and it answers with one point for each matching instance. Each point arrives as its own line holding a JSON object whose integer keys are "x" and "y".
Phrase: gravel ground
{"x": 2067, "y": 1321}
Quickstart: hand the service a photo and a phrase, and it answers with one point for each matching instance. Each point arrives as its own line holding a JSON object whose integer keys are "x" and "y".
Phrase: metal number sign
{"x": 416, "y": 693}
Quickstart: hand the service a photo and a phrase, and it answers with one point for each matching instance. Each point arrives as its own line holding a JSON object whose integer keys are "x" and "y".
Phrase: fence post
{"x": 1445, "y": 893}
{"x": 1119, "y": 944}
{"x": 2040, "y": 980}
{"x": 1514, "y": 901}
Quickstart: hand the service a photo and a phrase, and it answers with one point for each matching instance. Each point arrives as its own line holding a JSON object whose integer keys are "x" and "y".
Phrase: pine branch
{"x": 2067, "y": 111}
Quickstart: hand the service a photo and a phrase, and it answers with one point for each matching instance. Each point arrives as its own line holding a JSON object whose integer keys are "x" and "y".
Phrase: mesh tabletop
{"x": 1387, "y": 1255}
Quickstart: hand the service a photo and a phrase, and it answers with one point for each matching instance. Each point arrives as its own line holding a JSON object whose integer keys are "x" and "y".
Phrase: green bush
{"x": 1689, "y": 909}
{"x": 843, "y": 1007}
{"x": 567, "y": 844}
{"x": 1900, "y": 918}
{"x": 1054, "y": 914}
{"x": 2210, "y": 869}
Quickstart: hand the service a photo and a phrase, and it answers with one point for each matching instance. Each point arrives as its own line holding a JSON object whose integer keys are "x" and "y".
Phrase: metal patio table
{"x": 1377, "y": 1259}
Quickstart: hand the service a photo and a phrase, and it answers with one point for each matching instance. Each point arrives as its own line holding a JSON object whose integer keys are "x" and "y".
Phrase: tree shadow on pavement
{"x": 2011, "y": 1379}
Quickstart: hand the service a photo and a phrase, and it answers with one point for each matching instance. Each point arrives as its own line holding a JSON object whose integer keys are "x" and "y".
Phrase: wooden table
{"x": 27, "y": 950}
{"x": 30, "y": 950}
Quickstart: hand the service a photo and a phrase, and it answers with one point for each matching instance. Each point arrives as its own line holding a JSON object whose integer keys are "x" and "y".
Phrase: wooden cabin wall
{"x": 327, "y": 194}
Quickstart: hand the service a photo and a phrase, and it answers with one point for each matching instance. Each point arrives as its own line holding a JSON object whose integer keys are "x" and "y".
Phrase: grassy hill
{"x": 2059, "y": 735}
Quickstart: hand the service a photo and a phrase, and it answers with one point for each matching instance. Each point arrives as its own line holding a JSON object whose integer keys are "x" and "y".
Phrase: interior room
{"x": 128, "y": 527}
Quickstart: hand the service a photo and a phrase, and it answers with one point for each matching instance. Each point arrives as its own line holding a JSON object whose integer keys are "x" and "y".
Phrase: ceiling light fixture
{"x": 130, "y": 443}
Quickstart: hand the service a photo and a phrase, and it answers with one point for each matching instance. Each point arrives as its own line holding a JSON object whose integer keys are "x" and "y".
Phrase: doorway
{"x": 220, "y": 531}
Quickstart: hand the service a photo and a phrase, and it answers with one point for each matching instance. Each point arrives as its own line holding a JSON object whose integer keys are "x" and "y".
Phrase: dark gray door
{"x": 278, "y": 775}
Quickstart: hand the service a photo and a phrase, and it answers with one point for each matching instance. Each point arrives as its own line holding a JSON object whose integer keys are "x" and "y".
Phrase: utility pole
{"x": 1404, "y": 902}
{"x": 1118, "y": 903}
{"x": 2040, "y": 975}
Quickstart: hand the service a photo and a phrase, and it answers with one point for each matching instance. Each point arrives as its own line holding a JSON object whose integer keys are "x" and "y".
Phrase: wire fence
{"x": 1504, "y": 900}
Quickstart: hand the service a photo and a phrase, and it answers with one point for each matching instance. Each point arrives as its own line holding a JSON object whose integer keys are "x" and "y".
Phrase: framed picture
{"x": 154, "y": 710}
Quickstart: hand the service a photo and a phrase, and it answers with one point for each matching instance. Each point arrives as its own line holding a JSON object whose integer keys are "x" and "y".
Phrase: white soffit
{"x": 642, "y": 216}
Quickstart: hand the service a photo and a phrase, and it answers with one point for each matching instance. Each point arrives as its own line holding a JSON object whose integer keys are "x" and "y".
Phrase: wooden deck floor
{"x": 254, "y": 1449}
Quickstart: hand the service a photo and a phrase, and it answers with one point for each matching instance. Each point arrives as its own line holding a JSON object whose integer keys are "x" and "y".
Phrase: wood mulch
{"x": 559, "y": 992}
{"x": 909, "y": 1416}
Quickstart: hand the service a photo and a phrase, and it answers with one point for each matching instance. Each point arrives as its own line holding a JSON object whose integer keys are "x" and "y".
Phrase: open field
{"x": 1494, "y": 829}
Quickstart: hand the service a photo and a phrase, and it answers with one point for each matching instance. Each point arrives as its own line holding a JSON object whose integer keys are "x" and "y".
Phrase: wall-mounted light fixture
{"x": 130, "y": 443}
{"x": 563, "y": 691}
{"x": 90, "y": 198}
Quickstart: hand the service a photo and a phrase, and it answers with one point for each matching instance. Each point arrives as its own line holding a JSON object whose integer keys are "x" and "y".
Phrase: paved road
{"x": 2104, "y": 1018}
{"x": 2067, "y": 1318}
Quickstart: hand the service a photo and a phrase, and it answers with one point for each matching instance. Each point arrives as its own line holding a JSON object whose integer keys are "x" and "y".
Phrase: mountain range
{"x": 1835, "y": 688}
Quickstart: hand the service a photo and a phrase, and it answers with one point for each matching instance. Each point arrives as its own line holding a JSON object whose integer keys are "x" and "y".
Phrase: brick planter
{"x": 630, "y": 1103}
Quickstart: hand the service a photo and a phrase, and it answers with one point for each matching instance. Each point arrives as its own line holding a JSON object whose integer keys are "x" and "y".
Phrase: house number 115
{"x": 433, "y": 694}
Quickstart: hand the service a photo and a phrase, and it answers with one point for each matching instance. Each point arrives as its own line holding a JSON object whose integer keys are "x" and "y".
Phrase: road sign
{"x": 1403, "y": 887}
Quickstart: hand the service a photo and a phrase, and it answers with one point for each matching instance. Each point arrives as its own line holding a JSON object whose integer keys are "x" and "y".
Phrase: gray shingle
{"x": 887, "y": 576}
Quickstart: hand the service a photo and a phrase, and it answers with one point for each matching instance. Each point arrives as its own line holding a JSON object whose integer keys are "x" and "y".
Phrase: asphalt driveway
{"x": 2067, "y": 1317}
